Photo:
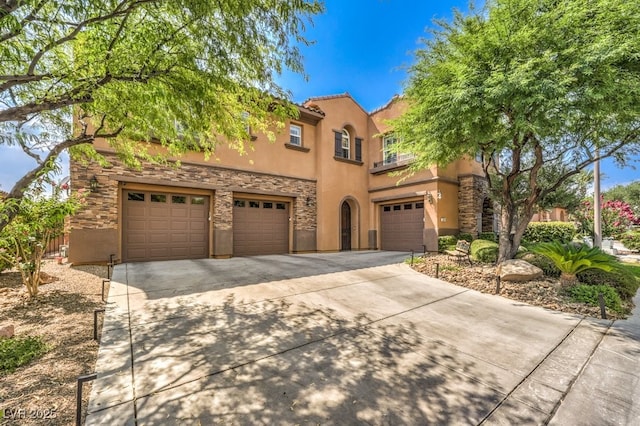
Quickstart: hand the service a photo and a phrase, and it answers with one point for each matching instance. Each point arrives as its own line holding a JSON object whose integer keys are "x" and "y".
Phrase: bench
{"x": 461, "y": 252}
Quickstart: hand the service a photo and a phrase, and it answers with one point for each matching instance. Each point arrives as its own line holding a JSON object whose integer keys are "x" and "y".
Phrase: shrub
{"x": 465, "y": 236}
{"x": 571, "y": 259}
{"x": 18, "y": 351}
{"x": 589, "y": 294}
{"x": 446, "y": 242}
{"x": 631, "y": 240}
{"x": 489, "y": 236}
{"x": 544, "y": 232}
{"x": 484, "y": 251}
{"x": 625, "y": 284}
{"x": 542, "y": 262}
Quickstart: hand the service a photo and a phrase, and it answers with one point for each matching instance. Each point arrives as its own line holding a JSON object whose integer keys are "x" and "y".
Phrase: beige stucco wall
{"x": 337, "y": 180}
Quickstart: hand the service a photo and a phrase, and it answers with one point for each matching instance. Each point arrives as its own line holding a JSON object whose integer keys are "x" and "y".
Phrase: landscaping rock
{"x": 518, "y": 270}
{"x": 6, "y": 331}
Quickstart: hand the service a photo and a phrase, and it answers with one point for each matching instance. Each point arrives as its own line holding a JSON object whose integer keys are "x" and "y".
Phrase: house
{"x": 555, "y": 214}
{"x": 324, "y": 185}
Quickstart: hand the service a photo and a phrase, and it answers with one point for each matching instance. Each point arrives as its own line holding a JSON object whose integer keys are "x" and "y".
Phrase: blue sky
{"x": 362, "y": 47}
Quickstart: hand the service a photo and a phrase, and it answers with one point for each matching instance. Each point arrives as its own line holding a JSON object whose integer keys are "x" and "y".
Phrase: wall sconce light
{"x": 93, "y": 184}
{"x": 429, "y": 198}
{"x": 309, "y": 202}
{"x": 439, "y": 195}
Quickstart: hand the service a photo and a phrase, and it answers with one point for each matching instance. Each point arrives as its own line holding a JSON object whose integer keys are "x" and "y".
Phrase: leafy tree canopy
{"x": 629, "y": 193}
{"x": 177, "y": 72}
{"x": 536, "y": 85}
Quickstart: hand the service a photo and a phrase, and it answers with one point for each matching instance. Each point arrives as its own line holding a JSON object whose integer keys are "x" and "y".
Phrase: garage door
{"x": 260, "y": 227}
{"x": 401, "y": 226}
{"x": 163, "y": 226}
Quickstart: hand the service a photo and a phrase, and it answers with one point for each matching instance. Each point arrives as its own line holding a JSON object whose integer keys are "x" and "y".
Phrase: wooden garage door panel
{"x": 162, "y": 226}
{"x": 260, "y": 227}
{"x": 401, "y": 226}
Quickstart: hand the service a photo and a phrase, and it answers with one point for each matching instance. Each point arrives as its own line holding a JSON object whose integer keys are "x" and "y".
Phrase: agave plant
{"x": 572, "y": 259}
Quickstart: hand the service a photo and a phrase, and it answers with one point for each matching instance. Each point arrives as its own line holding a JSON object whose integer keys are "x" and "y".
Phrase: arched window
{"x": 346, "y": 143}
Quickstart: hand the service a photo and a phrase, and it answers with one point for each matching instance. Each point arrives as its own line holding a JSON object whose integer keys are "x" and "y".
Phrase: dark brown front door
{"x": 345, "y": 222}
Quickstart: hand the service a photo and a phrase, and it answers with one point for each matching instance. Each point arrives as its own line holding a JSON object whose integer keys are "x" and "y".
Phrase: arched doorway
{"x": 345, "y": 226}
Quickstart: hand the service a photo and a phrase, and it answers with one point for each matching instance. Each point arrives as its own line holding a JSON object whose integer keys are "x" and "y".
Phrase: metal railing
{"x": 399, "y": 159}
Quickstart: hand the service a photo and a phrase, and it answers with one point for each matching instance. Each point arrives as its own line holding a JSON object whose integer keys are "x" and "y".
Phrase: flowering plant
{"x": 617, "y": 217}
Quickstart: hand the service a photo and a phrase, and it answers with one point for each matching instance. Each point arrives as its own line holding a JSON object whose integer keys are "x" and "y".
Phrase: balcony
{"x": 391, "y": 163}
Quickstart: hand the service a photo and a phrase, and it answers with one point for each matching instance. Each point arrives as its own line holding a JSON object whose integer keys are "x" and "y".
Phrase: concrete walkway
{"x": 348, "y": 338}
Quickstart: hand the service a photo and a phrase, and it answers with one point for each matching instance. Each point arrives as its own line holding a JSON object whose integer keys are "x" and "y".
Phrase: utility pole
{"x": 597, "y": 207}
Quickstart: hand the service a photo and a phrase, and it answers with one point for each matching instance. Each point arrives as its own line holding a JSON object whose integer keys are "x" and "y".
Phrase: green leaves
{"x": 537, "y": 86}
{"x": 575, "y": 258}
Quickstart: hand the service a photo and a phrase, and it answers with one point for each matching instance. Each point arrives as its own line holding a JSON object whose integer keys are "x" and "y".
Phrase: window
{"x": 238, "y": 203}
{"x": 389, "y": 154}
{"x": 135, "y": 196}
{"x": 254, "y": 205}
{"x": 266, "y": 205}
{"x": 280, "y": 206}
{"x": 479, "y": 156}
{"x": 295, "y": 135}
{"x": 158, "y": 198}
{"x": 346, "y": 143}
{"x": 197, "y": 200}
{"x": 408, "y": 206}
{"x": 244, "y": 116}
{"x": 387, "y": 208}
{"x": 178, "y": 199}
{"x": 396, "y": 207}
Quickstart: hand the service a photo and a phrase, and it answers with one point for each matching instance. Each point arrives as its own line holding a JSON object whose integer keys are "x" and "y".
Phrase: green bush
{"x": 465, "y": 236}
{"x": 631, "y": 240}
{"x": 625, "y": 284}
{"x": 484, "y": 251}
{"x": 19, "y": 351}
{"x": 589, "y": 294}
{"x": 542, "y": 262}
{"x": 543, "y": 232}
{"x": 571, "y": 259}
{"x": 489, "y": 236}
{"x": 446, "y": 242}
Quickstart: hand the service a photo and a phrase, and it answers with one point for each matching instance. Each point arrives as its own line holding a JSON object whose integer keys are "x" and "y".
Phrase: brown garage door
{"x": 162, "y": 226}
{"x": 401, "y": 226}
{"x": 260, "y": 227}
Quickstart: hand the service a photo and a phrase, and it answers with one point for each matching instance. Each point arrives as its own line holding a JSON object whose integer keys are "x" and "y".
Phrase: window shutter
{"x": 338, "y": 144}
{"x": 358, "y": 149}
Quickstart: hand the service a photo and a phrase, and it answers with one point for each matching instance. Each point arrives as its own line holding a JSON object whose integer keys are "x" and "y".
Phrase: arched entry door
{"x": 345, "y": 226}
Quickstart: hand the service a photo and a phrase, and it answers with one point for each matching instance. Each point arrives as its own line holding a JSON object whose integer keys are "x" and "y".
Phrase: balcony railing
{"x": 398, "y": 160}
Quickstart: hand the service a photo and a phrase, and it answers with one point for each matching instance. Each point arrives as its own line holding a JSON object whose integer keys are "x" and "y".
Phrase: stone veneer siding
{"x": 471, "y": 194}
{"x": 101, "y": 210}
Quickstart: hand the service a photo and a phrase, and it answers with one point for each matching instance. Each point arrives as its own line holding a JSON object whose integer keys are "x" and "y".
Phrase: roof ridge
{"x": 394, "y": 98}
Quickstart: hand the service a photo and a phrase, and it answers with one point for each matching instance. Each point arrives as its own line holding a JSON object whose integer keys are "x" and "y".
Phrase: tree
{"x": 184, "y": 74}
{"x": 617, "y": 218}
{"x": 24, "y": 241}
{"x": 629, "y": 193}
{"x": 535, "y": 89}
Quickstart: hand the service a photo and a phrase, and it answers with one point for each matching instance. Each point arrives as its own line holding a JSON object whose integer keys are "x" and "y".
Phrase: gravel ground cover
{"x": 44, "y": 390}
{"x": 544, "y": 292}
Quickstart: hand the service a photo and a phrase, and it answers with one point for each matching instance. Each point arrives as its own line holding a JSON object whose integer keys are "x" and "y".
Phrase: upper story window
{"x": 295, "y": 135}
{"x": 479, "y": 156}
{"x": 346, "y": 143}
{"x": 244, "y": 116}
{"x": 389, "y": 154}
{"x": 344, "y": 149}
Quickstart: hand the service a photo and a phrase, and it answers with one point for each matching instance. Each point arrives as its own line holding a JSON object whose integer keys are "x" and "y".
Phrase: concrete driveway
{"x": 348, "y": 338}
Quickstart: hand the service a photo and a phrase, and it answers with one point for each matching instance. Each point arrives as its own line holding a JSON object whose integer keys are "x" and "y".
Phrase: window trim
{"x": 298, "y": 136}
{"x": 346, "y": 148}
{"x": 387, "y": 142}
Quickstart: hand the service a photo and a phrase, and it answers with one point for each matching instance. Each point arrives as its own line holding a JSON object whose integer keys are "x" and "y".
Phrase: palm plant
{"x": 572, "y": 259}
